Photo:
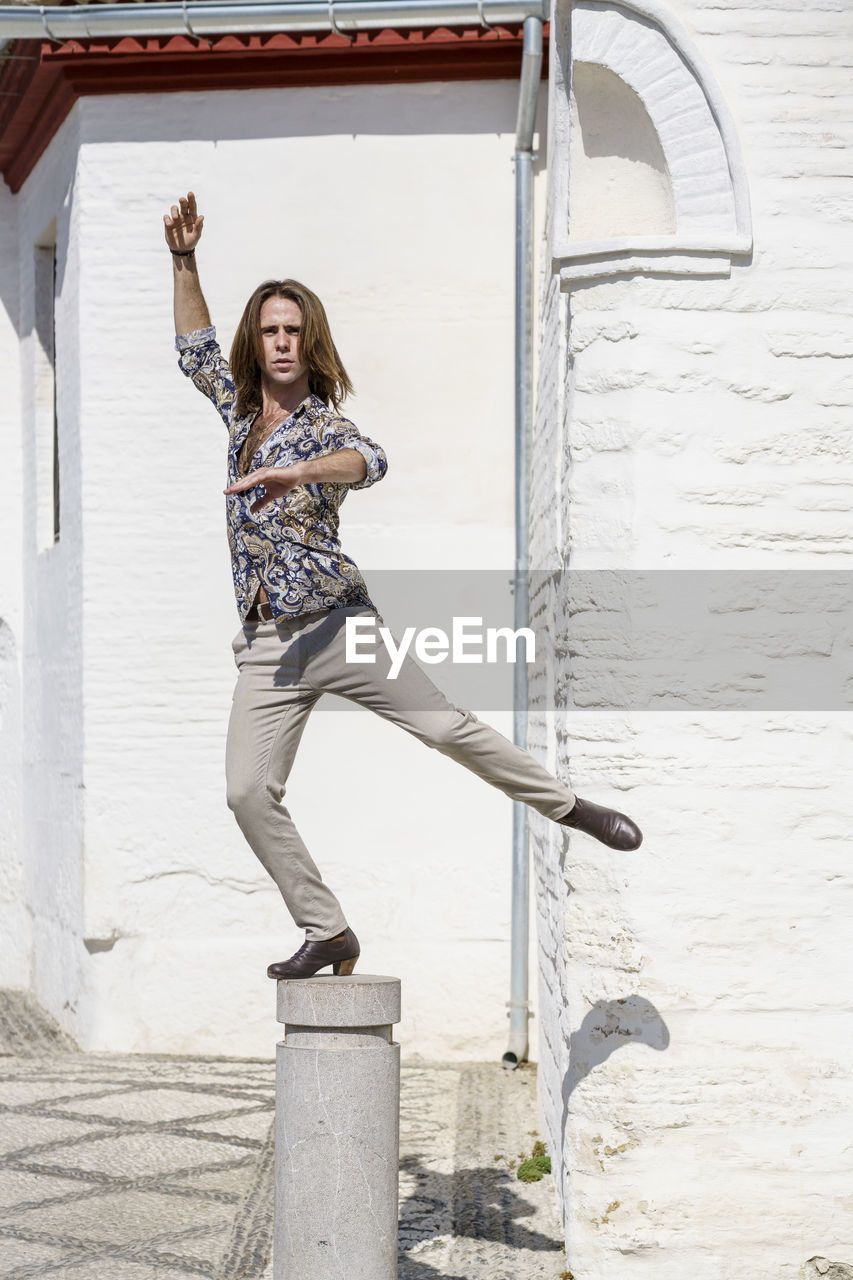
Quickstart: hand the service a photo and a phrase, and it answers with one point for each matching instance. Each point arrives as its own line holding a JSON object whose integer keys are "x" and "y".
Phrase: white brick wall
{"x": 695, "y": 1030}
{"x": 154, "y": 922}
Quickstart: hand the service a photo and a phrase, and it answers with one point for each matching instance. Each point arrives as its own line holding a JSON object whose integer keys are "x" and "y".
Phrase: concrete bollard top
{"x": 359, "y": 1000}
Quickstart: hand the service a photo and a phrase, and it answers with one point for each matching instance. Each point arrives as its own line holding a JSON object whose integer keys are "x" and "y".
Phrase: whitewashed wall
{"x": 696, "y": 1040}
{"x": 396, "y": 205}
{"x": 42, "y": 723}
{"x": 15, "y": 921}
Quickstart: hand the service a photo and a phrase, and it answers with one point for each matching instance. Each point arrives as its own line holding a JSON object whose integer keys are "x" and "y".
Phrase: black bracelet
{"x": 182, "y": 253}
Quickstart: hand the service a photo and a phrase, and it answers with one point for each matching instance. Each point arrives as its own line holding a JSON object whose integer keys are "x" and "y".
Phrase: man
{"x": 292, "y": 458}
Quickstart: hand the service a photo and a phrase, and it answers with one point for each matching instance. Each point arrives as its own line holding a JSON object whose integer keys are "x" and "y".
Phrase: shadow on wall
{"x": 610, "y": 1025}
{"x": 311, "y": 111}
{"x": 9, "y": 272}
{"x": 11, "y": 264}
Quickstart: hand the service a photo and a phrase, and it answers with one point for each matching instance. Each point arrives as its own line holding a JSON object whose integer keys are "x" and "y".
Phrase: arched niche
{"x": 620, "y": 183}
{"x": 648, "y": 170}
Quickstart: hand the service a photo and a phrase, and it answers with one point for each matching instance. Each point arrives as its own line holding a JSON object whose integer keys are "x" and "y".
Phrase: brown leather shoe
{"x": 340, "y": 952}
{"x": 607, "y": 825}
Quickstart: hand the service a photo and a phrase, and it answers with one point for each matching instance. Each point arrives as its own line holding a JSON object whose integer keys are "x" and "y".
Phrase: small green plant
{"x": 534, "y": 1167}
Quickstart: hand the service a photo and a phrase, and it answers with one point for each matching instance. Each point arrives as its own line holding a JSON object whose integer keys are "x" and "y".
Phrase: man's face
{"x": 281, "y": 336}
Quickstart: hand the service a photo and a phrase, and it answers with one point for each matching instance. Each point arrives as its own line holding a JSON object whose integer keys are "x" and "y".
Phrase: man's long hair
{"x": 327, "y": 377}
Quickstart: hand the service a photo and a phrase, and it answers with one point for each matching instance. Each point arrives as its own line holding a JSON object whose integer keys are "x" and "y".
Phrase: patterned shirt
{"x": 291, "y": 545}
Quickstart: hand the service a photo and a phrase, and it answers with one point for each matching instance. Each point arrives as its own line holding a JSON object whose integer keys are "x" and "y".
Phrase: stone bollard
{"x": 337, "y": 1129}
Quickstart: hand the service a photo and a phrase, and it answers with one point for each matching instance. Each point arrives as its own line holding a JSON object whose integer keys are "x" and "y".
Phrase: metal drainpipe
{"x": 215, "y": 17}
{"x": 223, "y": 17}
{"x": 531, "y": 71}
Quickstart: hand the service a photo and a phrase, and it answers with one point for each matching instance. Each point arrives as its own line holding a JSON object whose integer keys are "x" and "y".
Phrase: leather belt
{"x": 262, "y": 610}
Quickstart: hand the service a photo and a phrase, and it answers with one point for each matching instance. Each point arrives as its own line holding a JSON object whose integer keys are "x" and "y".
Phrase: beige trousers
{"x": 284, "y": 668}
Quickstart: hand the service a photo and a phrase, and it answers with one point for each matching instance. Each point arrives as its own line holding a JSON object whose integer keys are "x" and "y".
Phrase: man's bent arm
{"x": 342, "y": 466}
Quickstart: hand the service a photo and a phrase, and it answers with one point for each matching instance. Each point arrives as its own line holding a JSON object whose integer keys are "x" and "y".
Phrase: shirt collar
{"x": 310, "y": 402}
{"x": 314, "y": 402}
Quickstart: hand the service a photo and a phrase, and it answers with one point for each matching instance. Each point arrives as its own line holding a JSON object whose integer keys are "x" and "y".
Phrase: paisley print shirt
{"x": 291, "y": 545}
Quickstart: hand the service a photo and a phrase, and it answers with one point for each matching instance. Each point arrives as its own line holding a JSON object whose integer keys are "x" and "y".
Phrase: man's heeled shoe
{"x": 607, "y": 825}
{"x": 340, "y": 952}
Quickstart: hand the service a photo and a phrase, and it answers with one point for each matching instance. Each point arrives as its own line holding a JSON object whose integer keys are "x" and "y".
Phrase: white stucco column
{"x": 337, "y": 1134}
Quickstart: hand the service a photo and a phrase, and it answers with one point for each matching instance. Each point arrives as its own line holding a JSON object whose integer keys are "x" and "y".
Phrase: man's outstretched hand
{"x": 277, "y": 481}
{"x": 184, "y": 225}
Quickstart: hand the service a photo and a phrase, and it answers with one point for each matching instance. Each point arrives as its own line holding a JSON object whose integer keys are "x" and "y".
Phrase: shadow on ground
{"x": 479, "y": 1204}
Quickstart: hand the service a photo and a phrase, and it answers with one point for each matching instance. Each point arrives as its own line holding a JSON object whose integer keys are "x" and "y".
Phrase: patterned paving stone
{"x": 127, "y": 1156}
{"x": 142, "y": 1104}
{"x": 254, "y": 1126}
{"x": 28, "y": 1131}
{"x": 147, "y": 1167}
{"x": 26, "y": 1257}
{"x": 49, "y": 1092}
{"x": 101, "y": 1176}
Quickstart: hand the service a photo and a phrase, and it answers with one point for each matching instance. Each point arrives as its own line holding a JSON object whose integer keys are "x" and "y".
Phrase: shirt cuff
{"x": 198, "y": 337}
{"x": 375, "y": 469}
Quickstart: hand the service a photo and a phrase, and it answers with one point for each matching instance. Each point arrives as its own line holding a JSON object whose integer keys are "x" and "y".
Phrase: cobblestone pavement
{"x": 143, "y": 1167}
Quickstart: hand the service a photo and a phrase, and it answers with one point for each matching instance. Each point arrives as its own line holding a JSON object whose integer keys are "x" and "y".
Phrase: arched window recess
{"x": 648, "y": 170}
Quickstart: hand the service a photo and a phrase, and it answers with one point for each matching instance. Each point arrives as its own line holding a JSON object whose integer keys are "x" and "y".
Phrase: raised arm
{"x": 199, "y": 355}
{"x": 183, "y": 228}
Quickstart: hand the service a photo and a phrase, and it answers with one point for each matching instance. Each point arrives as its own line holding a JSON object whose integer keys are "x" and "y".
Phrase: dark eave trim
{"x": 40, "y": 81}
